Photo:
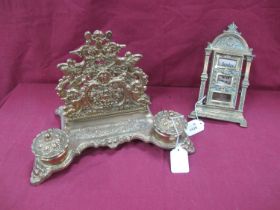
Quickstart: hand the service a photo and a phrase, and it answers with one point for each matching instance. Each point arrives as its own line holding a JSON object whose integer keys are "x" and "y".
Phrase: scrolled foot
{"x": 39, "y": 173}
{"x": 243, "y": 123}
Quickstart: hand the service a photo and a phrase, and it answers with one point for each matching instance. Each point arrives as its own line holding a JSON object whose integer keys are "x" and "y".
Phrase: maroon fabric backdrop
{"x": 233, "y": 168}
{"x": 37, "y": 35}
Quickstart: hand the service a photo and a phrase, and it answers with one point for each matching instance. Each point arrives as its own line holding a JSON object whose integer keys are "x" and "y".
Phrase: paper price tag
{"x": 179, "y": 160}
{"x": 194, "y": 127}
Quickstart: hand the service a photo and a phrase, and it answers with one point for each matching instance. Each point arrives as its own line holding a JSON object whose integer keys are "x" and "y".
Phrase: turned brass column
{"x": 245, "y": 83}
{"x": 204, "y": 75}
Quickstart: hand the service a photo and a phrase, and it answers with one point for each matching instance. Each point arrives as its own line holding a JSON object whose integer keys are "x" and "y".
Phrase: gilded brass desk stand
{"x": 104, "y": 105}
{"x": 227, "y": 86}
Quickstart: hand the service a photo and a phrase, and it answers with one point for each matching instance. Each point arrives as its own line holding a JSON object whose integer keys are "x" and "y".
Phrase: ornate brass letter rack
{"x": 228, "y": 50}
{"x": 104, "y": 105}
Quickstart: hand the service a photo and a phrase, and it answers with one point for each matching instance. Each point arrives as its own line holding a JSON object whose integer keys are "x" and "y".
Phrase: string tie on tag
{"x": 176, "y": 129}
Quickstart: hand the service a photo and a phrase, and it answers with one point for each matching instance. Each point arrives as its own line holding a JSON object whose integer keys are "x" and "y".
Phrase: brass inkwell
{"x": 105, "y": 105}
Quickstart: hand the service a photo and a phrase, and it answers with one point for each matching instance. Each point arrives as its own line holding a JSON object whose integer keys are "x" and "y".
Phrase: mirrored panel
{"x": 227, "y": 63}
{"x": 224, "y": 79}
{"x": 223, "y": 97}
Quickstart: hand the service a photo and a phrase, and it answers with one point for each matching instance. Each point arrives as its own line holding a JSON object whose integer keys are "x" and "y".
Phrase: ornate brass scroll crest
{"x": 105, "y": 104}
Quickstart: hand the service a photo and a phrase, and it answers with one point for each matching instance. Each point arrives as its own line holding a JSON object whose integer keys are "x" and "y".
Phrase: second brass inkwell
{"x": 105, "y": 104}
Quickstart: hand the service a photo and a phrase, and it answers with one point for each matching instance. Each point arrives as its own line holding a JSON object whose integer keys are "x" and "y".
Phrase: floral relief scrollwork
{"x": 102, "y": 82}
{"x": 230, "y": 43}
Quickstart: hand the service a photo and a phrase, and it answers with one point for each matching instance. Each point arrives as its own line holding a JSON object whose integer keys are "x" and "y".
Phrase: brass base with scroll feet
{"x": 55, "y": 149}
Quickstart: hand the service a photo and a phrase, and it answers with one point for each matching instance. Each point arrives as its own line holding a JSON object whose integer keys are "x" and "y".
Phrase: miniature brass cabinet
{"x": 226, "y": 57}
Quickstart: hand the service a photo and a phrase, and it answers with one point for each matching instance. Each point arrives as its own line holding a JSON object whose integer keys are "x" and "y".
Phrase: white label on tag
{"x": 194, "y": 127}
{"x": 179, "y": 160}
